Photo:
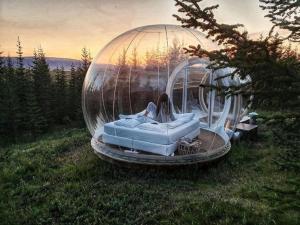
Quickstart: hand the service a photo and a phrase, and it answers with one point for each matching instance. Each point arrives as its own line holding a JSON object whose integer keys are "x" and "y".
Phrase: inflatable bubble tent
{"x": 134, "y": 70}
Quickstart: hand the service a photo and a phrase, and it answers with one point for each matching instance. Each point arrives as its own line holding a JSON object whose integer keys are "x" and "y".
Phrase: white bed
{"x": 150, "y": 136}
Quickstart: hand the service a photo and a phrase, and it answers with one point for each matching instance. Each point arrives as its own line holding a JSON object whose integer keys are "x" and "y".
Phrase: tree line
{"x": 34, "y": 100}
{"x": 273, "y": 67}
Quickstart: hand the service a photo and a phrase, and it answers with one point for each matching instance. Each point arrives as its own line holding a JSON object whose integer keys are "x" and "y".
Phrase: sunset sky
{"x": 63, "y": 27}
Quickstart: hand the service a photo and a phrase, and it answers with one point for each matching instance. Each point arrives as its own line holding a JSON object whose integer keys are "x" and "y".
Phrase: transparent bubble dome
{"x": 138, "y": 66}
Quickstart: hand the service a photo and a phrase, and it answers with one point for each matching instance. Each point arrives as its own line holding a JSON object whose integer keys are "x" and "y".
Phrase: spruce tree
{"x": 56, "y": 95}
{"x": 78, "y": 87}
{"x": 3, "y": 100}
{"x": 284, "y": 15}
{"x": 274, "y": 77}
{"x": 85, "y": 60}
{"x": 12, "y": 105}
{"x": 63, "y": 91}
{"x": 42, "y": 84}
{"x": 72, "y": 93}
{"x": 21, "y": 85}
{"x": 36, "y": 122}
{"x": 121, "y": 98}
{"x": 80, "y": 75}
{"x": 134, "y": 59}
{"x": 60, "y": 95}
{"x": 274, "y": 69}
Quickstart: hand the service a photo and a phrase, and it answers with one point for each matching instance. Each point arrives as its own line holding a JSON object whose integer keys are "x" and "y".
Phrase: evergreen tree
{"x": 274, "y": 69}
{"x": 175, "y": 54}
{"x": 57, "y": 94}
{"x": 284, "y": 15}
{"x": 20, "y": 71}
{"x": 3, "y": 100}
{"x": 121, "y": 98}
{"x": 274, "y": 77}
{"x": 78, "y": 88}
{"x": 85, "y": 60}
{"x": 21, "y": 85}
{"x": 60, "y": 95}
{"x": 134, "y": 59}
{"x": 80, "y": 75}
{"x": 12, "y": 105}
{"x": 36, "y": 122}
{"x": 42, "y": 85}
{"x": 72, "y": 93}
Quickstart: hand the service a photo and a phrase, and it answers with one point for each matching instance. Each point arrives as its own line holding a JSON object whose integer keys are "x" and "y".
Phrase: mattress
{"x": 146, "y": 146}
{"x": 168, "y": 136}
{"x": 140, "y": 145}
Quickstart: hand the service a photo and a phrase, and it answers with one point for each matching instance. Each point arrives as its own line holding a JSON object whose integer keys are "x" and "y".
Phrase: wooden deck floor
{"x": 210, "y": 141}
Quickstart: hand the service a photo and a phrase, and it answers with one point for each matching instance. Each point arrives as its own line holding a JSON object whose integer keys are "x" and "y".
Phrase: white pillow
{"x": 145, "y": 119}
{"x": 127, "y": 122}
{"x": 155, "y": 126}
{"x": 121, "y": 116}
{"x": 179, "y": 122}
{"x": 175, "y": 123}
{"x": 188, "y": 116}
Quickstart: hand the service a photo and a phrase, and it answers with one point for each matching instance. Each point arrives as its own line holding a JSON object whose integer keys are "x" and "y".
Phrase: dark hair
{"x": 163, "y": 98}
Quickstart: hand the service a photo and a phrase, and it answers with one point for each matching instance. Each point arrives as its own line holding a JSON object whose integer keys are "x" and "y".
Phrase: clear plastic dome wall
{"x": 138, "y": 66}
{"x": 134, "y": 69}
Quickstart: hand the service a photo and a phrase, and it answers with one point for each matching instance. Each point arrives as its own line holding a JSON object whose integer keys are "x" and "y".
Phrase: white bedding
{"x": 168, "y": 135}
{"x": 127, "y": 122}
{"x": 151, "y": 136}
{"x": 147, "y": 146}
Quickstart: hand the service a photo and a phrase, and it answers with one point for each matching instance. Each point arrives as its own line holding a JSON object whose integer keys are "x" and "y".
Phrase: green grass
{"x": 59, "y": 180}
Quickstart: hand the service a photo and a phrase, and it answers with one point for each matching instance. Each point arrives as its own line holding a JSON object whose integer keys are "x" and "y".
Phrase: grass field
{"x": 59, "y": 180}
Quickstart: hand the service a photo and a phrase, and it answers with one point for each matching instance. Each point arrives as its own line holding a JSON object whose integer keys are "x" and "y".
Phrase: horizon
{"x": 92, "y": 24}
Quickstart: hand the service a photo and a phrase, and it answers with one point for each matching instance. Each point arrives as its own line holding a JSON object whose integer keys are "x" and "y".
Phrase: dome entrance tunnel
{"x": 193, "y": 124}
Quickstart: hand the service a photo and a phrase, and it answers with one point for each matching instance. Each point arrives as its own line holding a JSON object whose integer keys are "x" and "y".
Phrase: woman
{"x": 162, "y": 112}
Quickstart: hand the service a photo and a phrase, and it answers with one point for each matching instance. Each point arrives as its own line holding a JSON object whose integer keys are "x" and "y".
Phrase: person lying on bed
{"x": 162, "y": 112}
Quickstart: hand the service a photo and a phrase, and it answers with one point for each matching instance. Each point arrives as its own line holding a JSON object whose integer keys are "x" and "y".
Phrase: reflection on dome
{"x": 136, "y": 69}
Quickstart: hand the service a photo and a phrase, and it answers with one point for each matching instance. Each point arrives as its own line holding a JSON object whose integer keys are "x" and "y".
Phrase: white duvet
{"x": 153, "y": 132}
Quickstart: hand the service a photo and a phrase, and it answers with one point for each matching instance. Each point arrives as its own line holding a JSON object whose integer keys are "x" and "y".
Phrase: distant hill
{"x": 53, "y": 62}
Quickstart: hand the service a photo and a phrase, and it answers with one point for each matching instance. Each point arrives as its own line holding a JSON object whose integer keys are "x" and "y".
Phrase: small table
{"x": 249, "y": 130}
{"x": 245, "y": 119}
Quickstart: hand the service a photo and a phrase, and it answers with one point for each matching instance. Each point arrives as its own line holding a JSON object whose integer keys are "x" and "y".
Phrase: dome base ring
{"x": 113, "y": 153}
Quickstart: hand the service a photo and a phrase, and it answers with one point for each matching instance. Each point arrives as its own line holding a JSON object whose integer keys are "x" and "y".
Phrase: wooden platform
{"x": 210, "y": 141}
{"x": 213, "y": 147}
